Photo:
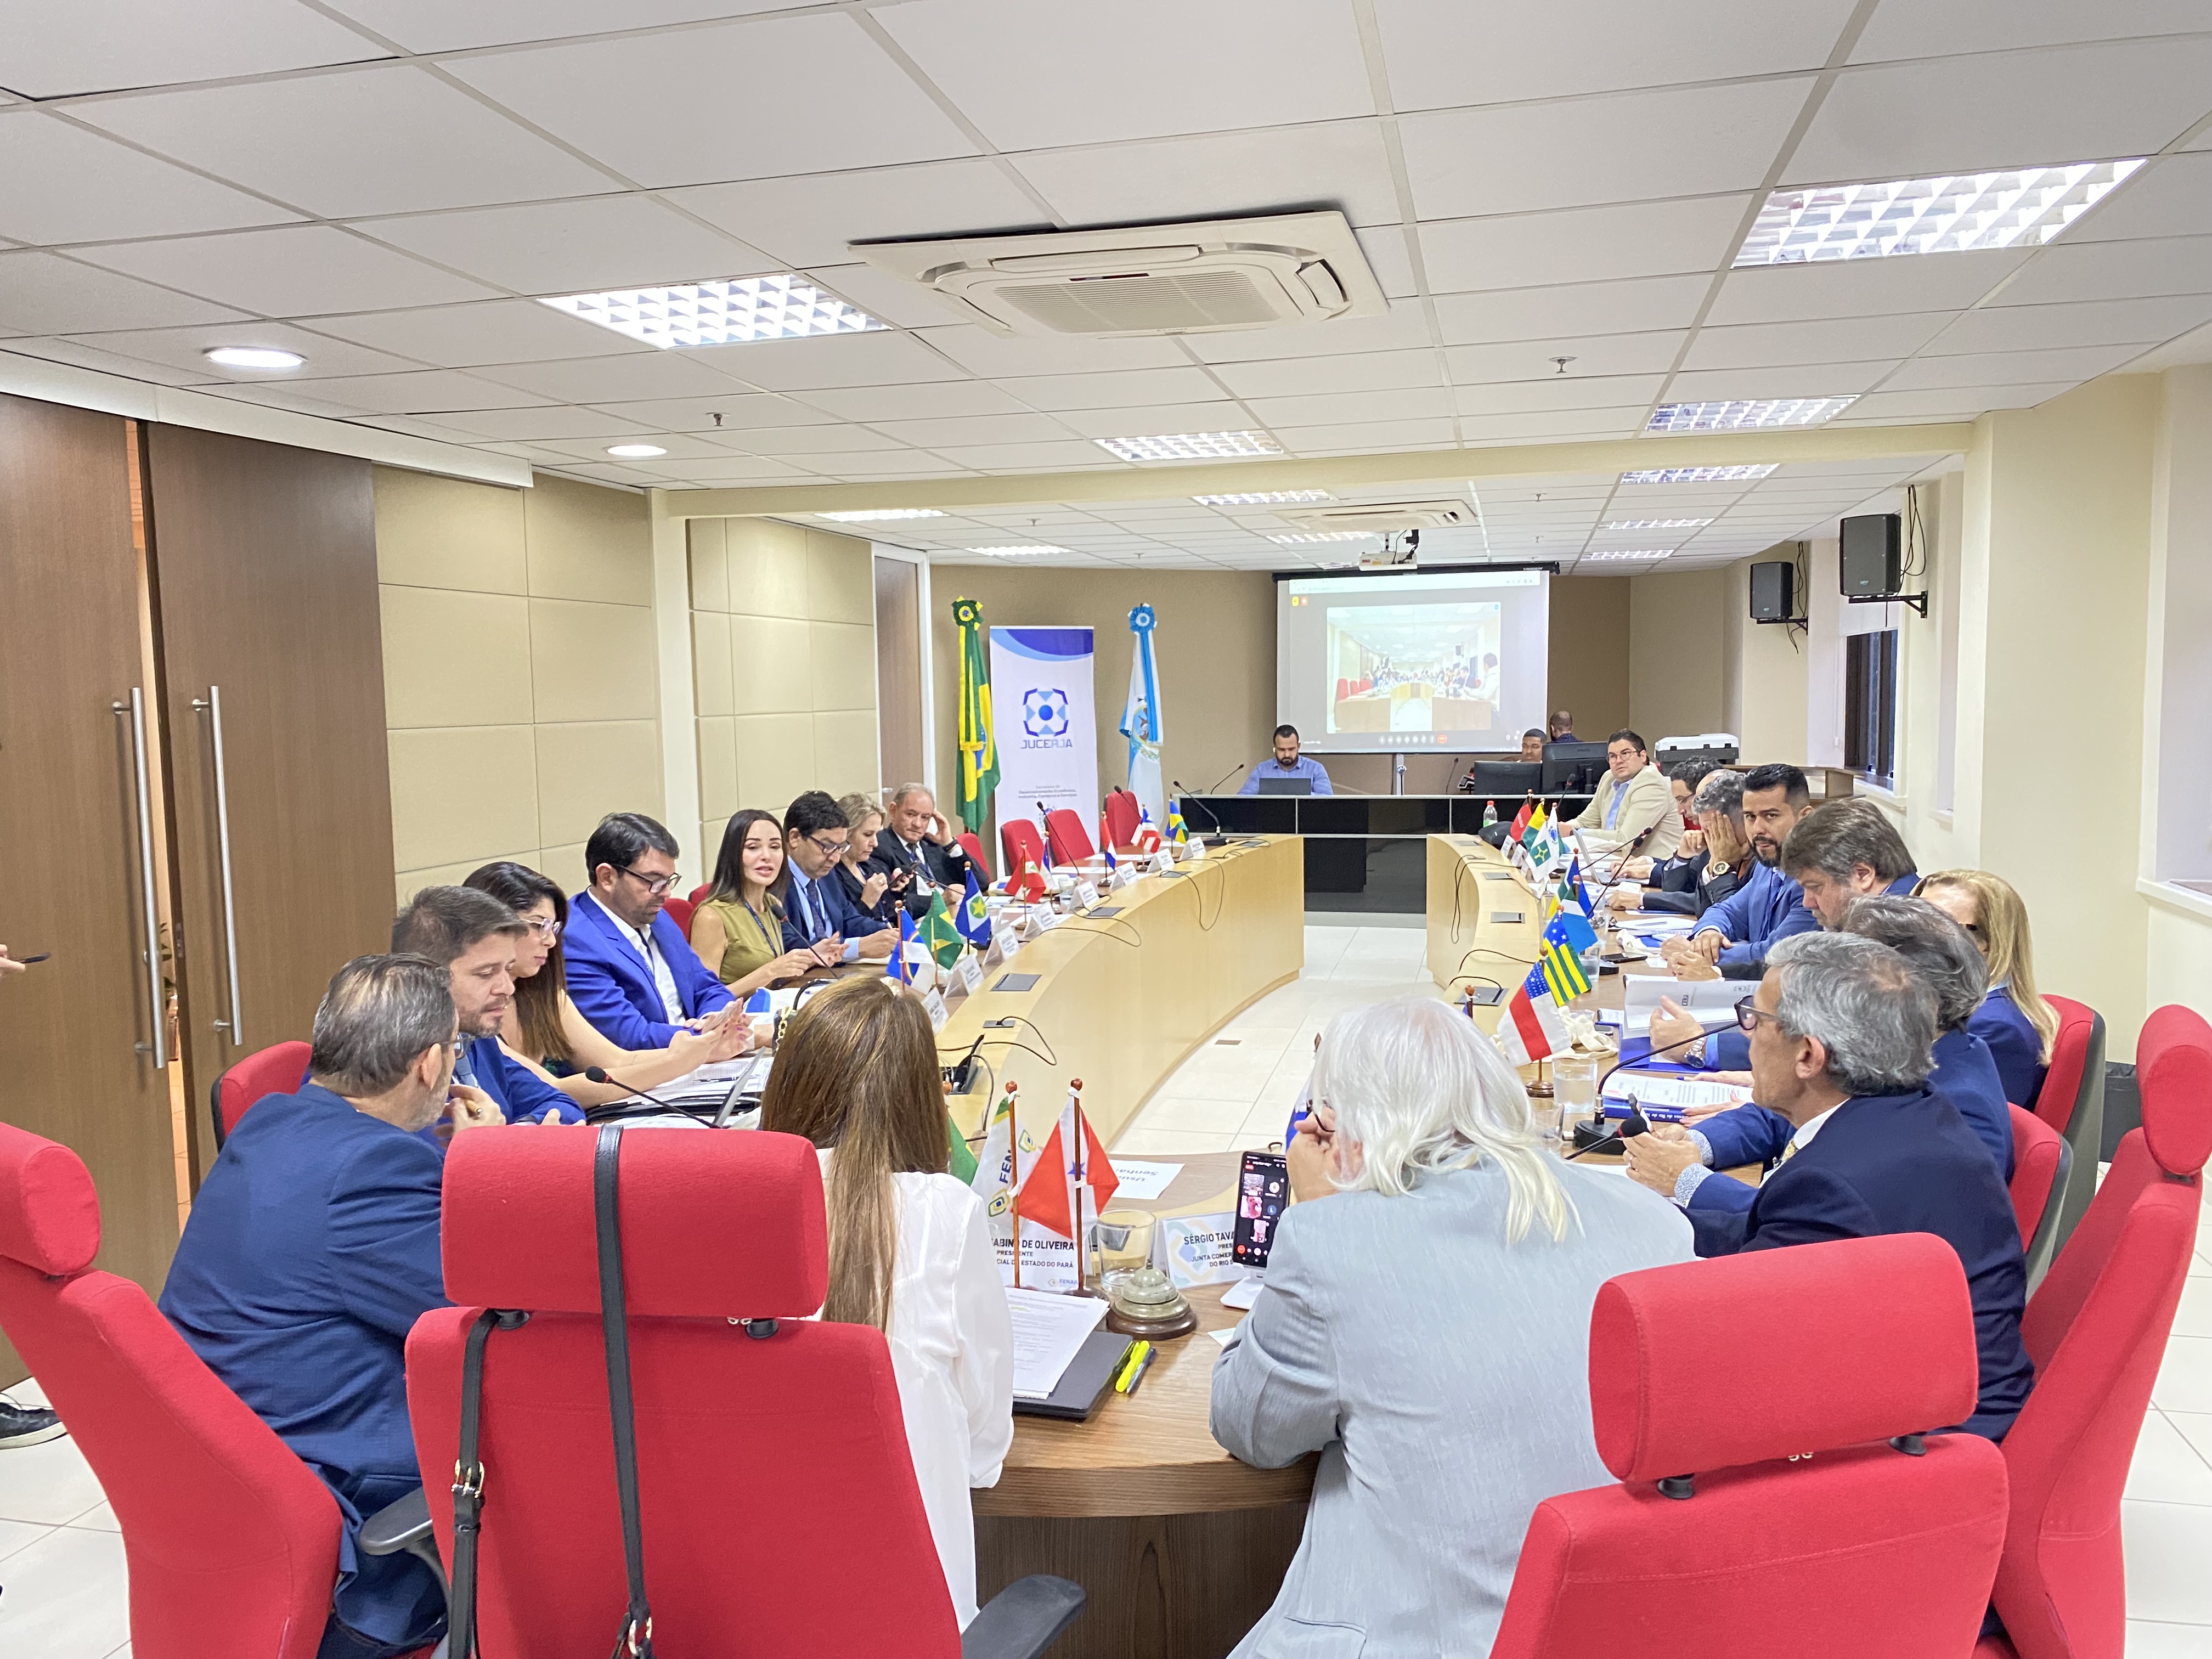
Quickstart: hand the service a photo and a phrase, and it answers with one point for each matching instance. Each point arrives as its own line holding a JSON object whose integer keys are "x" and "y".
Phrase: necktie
{"x": 818, "y": 922}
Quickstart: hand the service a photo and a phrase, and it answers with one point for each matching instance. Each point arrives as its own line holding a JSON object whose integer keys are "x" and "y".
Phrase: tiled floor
{"x": 60, "y": 1556}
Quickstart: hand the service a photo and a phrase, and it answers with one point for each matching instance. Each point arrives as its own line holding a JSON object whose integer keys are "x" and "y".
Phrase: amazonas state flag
{"x": 1532, "y": 1028}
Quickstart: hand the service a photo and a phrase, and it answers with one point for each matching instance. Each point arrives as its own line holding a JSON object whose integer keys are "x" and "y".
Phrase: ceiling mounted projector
{"x": 1198, "y": 278}
{"x": 1379, "y": 518}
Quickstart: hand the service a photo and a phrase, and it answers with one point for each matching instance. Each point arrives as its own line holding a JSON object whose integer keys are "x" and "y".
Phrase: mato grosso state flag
{"x": 979, "y": 753}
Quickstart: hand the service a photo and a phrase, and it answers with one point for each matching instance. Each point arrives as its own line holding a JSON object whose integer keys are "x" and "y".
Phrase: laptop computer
{"x": 1285, "y": 785}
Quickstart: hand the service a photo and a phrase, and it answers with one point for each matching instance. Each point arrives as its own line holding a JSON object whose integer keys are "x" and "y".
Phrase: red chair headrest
{"x": 2173, "y": 1068}
{"x": 49, "y": 1212}
{"x": 714, "y": 1223}
{"x": 1743, "y": 1358}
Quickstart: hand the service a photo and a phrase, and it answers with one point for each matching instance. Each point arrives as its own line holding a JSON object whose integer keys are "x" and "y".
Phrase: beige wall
{"x": 1589, "y": 652}
{"x": 519, "y": 671}
{"x": 783, "y": 652}
{"x": 1763, "y": 673}
{"x": 1675, "y": 653}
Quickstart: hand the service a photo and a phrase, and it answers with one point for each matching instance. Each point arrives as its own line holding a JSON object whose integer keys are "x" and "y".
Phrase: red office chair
{"x": 2096, "y": 1330}
{"x": 679, "y": 911}
{"x": 972, "y": 844}
{"x": 779, "y": 1510}
{"x": 231, "y": 1540}
{"x": 2040, "y": 1159}
{"x": 1069, "y": 839}
{"x": 1867, "y": 1540}
{"x": 278, "y": 1069}
{"x": 1343, "y": 688}
{"x": 1019, "y": 839}
{"x": 2072, "y": 1102}
{"x": 1123, "y": 814}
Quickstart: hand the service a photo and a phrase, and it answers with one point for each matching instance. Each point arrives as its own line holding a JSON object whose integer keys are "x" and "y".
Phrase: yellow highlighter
{"x": 1129, "y": 1364}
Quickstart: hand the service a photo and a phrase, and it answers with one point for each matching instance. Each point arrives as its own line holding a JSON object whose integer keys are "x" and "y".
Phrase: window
{"x": 1870, "y": 705}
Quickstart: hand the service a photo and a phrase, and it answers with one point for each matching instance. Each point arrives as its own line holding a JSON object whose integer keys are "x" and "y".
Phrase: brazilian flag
{"x": 979, "y": 751}
{"x": 939, "y": 934}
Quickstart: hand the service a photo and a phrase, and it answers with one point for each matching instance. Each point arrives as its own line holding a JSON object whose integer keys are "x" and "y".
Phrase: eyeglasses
{"x": 546, "y": 927}
{"x": 835, "y": 848}
{"x": 1747, "y": 1016}
{"x": 652, "y": 884}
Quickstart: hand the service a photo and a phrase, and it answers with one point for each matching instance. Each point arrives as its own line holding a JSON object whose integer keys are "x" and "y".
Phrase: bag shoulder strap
{"x": 469, "y": 1484}
{"x": 635, "y": 1641}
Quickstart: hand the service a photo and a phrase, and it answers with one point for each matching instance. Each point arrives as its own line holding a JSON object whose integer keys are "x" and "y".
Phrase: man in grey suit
{"x": 1424, "y": 1327}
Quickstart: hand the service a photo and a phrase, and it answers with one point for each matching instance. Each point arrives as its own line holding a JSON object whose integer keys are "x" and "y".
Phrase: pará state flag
{"x": 973, "y": 920}
{"x": 1532, "y": 1028}
{"x": 1025, "y": 882}
{"x": 1071, "y": 1157}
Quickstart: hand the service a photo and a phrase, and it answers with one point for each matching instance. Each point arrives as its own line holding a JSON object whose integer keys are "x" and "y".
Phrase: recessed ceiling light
{"x": 721, "y": 313}
{"x": 1035, "y": 552}
{"x": 1643, "y": 553}
{"x": 1727, "y": 414}
{"x": 1262, "y": 498}
{"x": 877, "y": 514}
{"x": 1699, "y": 474}
{"x": 1658, "y": 523}
{"x": 1949, "y": 214}
{"x": 252, "y": 357}
{"x": 636, "y": 452}
{"x": 1191, "y": 446}
{"x": 1324, "y": 536}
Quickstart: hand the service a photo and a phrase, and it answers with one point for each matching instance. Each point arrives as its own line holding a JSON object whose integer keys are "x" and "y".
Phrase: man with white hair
{"x": 917, "y": 850}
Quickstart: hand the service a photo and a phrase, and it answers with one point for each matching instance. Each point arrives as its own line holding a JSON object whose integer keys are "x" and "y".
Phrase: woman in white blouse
{"x": 856, "y": 1073}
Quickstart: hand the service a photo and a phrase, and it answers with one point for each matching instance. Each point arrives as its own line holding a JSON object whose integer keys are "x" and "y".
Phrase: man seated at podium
{"x": 1287, "y": 763}
{"x": 1633, "y": 808}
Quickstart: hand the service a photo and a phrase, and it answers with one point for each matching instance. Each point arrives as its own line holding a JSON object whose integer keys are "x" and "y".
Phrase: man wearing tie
{"x": 817, "y": 915}
{"x": 916, "y": 849}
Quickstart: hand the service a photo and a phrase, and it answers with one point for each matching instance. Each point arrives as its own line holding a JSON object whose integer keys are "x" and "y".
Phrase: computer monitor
{"x": 1505, "y": 779}
{"x": 1287, "y": 785}
{"x": 1572, "y": 768}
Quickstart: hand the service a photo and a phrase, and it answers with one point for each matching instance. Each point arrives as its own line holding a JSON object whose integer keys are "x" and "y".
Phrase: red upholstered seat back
{"x": 2097, "y": 1329}
{"x": 2037, "y": 1150}
{"x": 679, "y": 911}
{"x": 1122, "y": 818}
{"x": 276, "y": 1070}
{"x": 972, "y": 844}
{"x": 1019, "y": 839}
{"x": 780, "y": 1512}
{"x": 2070, "y": 1075}
{"x": 1069, "y": 839}
{"x": 1805, "y": 1531}
{"x": 231, "y": 1540}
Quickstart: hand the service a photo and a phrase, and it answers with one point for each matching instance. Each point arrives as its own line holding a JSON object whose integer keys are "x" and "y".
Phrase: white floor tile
{"x": 2184, "y": 1381}
{"x": 2199, "y": 1267}
{"x": 2196, "y": 1428}
{"x": 1263, "y": 1125}
{"x": 68, "y": 1597}
{"x": 2194, "y": 1316}
{"x": 48, "y": 1485}
{"x": 2147, "y": 1640}
{"x": 2168, "y": 1468}
{"x": 1171, "y": 1143}
{"x": 1190, "y": 1113}
{"x": 99, "y": 1518}
{"x": 18, "y": 1534}
{"x": 2166, "y": 1546}
{"x": 27, "y": 1392}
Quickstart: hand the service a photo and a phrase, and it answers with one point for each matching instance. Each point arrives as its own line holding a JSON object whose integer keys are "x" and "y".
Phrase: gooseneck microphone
{"x": 1051, "y": 840}
{"x": 1635, "y": 1123}
{"x": 601, "y": 1114}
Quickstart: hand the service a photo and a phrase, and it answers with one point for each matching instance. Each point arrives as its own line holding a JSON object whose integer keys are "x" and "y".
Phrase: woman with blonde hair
{"x": 2014, "y": 1019}
{"x": 1424, "y": 1327}
{"x": 856, "y": 1073}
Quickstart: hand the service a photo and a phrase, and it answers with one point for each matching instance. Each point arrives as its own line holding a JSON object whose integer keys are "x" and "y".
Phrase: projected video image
{"x": 1414, "y": 667}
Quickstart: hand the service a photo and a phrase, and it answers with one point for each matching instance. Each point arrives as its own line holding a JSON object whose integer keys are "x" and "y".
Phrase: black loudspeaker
{"x": 1870, "y": 555}
{"x": 1773, "y": 598}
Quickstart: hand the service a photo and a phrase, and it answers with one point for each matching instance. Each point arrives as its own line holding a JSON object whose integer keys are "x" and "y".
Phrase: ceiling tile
{"x": 547, "y": 421}
{"x": 834, "y": 360}
{"x": 2113, "y": 271}
{"x": 1339, "y": 407}
{"x": 603, "y": 380}
{"x": 1445, "y": 52}
{"x": 1231, "y": 63}
{"x": 976, "y": 429}
{"x": 1951, "y": 403}
{"x": 2089, "y": 323}
{"x": 1935, "y": 29}
{"x": 890, "y": 463}
{"x": 919, "y": 400}
{"x": 728, "y": 469}
{"x": 1374, "y": 371}
{"x": 1572, "y": 308}
{"x": 888, "y": 299}
{"x": 1861, "y": 287}
{"x": 1403, "y": 327}
{"x": 681, "y": 449}
{"x": 440, "y": 26}
{"x": 45, "y": 294}
{"x": 62, "y": 184}
{"x": 52, "y": 52}
{"x": 1390, "y": 260}
{"x": 299, "y": 400}
{"x": 995, "y": 357}
{"x": 1597, "y": 354}
{"x": 743, "y": 100}
{"x": 390, "y": 138}
{"x": 836, "y": 438}
{"x": 2005, "y": 110}
{"x": 425, "y": 392}
{"x": 2194, "y": 347}
{"x": 488, "y": 331}
{"x": 186, "y": 348}
{"x": 574, "y": 248}
{"x": 1340, "y": 164}
{"x": 1636, "y": 239}
{"x": 1129, "y": 388}
{"x": 807, "y": 219}
{"x": 1839, "y": 340}
{"x": 293, "y": 271}
{"x": 106, "y": 362}
{"x": 1558, "y": 392}
{"x": 1075, "y": 456}
{"x": 1806, "y": 380}
{"x": 2170, "y": 196}
{"x": 1624, "y": 147}
{"x": 2074, "y": 363}
{"x": 1622, "y": 421}
{"x": 740, "y": 411}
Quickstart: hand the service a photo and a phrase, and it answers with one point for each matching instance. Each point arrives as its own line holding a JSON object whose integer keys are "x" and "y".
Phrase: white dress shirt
{"x": 664, "y": 978}
{"x": 952, "y": 1351}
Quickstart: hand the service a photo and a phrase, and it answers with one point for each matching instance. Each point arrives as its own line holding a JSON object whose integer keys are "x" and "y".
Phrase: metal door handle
{"x": 160, "y": 1048}
{"x": 212, "y": 704}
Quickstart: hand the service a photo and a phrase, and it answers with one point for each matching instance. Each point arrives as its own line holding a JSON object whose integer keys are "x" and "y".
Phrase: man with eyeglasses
{"x": 816, "y": 914}
{"x": 631, "y": 972}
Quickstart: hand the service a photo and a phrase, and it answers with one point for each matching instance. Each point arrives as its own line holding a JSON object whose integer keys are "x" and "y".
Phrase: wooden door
{"x": 77, "y": 1031}
{"x": 268, "y": 626}
{"x": 898, "y": 673}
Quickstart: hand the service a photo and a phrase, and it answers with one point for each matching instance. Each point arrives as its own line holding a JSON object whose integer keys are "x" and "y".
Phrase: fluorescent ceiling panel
{"x": 1262, "y": 498}
{"x": 1037, "y": 551}
{"x": 1728, "y": 415}
{"x": 1324, "y": 536}
{"x": 875, "y": 515}
{"x": 1645, "y": 554}
{"x": 1191, "y": 446}
{"x": 1951, "y": 214}
{"x": 1668, "y": 475}
{"x": 1658, "y": 523}
{"x": 778, "y": 307}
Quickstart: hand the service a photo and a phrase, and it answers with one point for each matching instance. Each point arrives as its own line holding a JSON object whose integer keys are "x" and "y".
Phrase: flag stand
{"x": 1081, "y": 1181}
{"x": 1541, "y": 1088}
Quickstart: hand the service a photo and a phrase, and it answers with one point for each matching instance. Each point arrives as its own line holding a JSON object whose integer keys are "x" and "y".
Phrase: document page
{"x": 1653, "y": 1090}
{"x": 1049, "y": 1330}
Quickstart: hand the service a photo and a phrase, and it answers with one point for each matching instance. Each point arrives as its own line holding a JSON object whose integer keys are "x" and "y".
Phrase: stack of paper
{"x": 1711, "y": 1001}
{"x": 1048, "y": 1329}
{"x": 1652, "y": 1089}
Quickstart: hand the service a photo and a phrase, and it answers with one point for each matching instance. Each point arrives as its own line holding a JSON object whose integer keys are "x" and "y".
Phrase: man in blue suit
{"x": 1842, "y": 1032}
{"x": 1734, "y": 935}
{"x": 631, "y": 972}
{"x": 816, "y": 914}
{"x": 312, "y": 1250}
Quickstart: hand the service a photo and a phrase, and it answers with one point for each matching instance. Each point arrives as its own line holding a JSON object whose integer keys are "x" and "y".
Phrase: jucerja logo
{"x": 1044, "y": 713}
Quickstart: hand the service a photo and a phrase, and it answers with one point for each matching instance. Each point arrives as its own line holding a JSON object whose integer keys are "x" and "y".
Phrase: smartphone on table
{"x": 1263, "y": 1187}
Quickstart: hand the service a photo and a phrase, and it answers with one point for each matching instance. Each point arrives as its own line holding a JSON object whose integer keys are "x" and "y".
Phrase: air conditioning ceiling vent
{"x": 1378, "y": 518}
{"x": 1148, "y": 280}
